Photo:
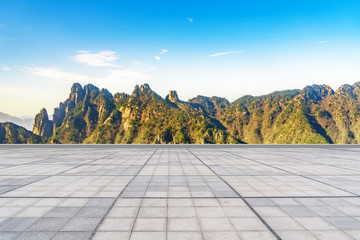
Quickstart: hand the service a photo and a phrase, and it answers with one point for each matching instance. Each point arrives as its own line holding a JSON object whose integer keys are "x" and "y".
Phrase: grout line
{"x": 246, "y": 202}
{"x": 118, "y": 197}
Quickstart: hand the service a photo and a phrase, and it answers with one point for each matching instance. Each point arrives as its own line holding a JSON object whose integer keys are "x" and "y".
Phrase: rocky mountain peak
{"x": 89, "y": 88}
{"x": 173, "y": 97}
{"x": 136, "y": 91}
{"x": 77, "y": 93}
{"x": 43, "y": 126}
{"x": 343, "y": 89}
{"x": 145, "y": 88}
{"x": 316, "y": 92}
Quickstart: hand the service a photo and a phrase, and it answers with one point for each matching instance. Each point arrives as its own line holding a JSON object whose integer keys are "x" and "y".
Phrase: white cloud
{"x": 100, "y": 59}
{"x": 190, "y": 20}
{"x": 157, "y": 58}
{"x": 225, "y": 53}
{"x": 57, "y": 74}
{"x": 163, "y": 51}
{"x": 5, "y": 68}
{"x": 324, "y": 42}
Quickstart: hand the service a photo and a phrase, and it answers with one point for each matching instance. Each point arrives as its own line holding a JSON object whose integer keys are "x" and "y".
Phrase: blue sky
{"x": 223, "y": 48}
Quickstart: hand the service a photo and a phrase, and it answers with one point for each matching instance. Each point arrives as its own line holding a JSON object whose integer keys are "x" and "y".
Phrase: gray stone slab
{"x": 17, "y": 224}
{"x": 8, "y": 235}
{"x": 48, "y": 224}
{"x": 63, "y": 212}
{"x": 77, "y": 224}
{"x": 35, "y": 236}
{"x": 92, "y": 212}
{"x": 72, "y": 236}
{"x": 344, "y": 223}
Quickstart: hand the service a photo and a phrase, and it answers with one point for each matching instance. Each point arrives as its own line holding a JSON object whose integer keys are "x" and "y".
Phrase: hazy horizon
{"x": 196, "y": 48}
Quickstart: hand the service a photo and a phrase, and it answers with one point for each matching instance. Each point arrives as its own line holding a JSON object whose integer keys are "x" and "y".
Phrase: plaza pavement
{"x": 179, "y": 192}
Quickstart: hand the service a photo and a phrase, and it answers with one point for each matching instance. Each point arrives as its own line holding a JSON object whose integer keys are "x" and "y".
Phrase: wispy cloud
{"x": 52, "y": 73}
{"x": 190, "y": 20}
{"x": 163, "y": 51}
{"x": 5, "y": 68}
{"x": 225, "y": 53}
{"x": 100, "y": 59}
{"x": 324, "y": 42}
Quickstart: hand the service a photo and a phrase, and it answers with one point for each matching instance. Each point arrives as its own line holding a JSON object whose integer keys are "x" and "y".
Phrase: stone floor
{"x": 179, "y": 193}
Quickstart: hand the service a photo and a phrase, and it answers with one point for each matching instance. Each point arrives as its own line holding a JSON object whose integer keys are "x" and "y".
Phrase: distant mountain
{"x": 315, "y": 114}
{"x": 26, "y": 122}
{"x": 12, "y": 133}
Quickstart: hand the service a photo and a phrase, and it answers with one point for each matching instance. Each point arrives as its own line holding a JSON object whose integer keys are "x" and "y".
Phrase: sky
{"x": 221, "y": 48}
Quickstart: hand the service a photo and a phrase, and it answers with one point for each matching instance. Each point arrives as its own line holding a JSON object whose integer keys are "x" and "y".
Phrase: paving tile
{"x": 215, "y": 224}
{"x": 66, "y": 212}
{"x": 35, "y": 236}
{"x": 204, "y": 212}
{"x": 229, "y": 235}
{"x": 283, "y": 223}
{"x": 314, "y": 223}
{"x": 48, "y": 225}
{"x": 181, "y": 212}
{"x": 150, "y": 224}
{"x": 247, "y": 224}
{"x": 81, "y": 224}
{"x": 353, "y": 233}
{"x": 344, "y": 223}
{"x": 92, "y": 212}
{"x": 148, "y": 236}
{"x": 261, "y": 235}
{"x": 184, "y": 236}
{"x": 183, "y": 225}
{"x": 304, "y": 235}
{"x": 117, "y": 224}
{"x": 152, "y": 212}
{"x": 72, "y": 236}
{"x": 298, "y": 211}
{"x": 331, "y": 235}
{"x": 118, "y": 212}
{"x": 17, "y": 224}
{"x": 112, "y": 235}
{"x": 8, "y": 235}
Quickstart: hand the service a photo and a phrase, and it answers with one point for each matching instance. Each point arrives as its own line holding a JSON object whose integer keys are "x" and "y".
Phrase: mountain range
{"x": 314, "y": 115}
{"x": 26, "y": 122}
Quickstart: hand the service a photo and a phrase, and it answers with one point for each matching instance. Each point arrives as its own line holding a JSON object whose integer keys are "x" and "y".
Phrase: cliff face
{"x": 315, "y": 114}
{"x": 43, "y": 126}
